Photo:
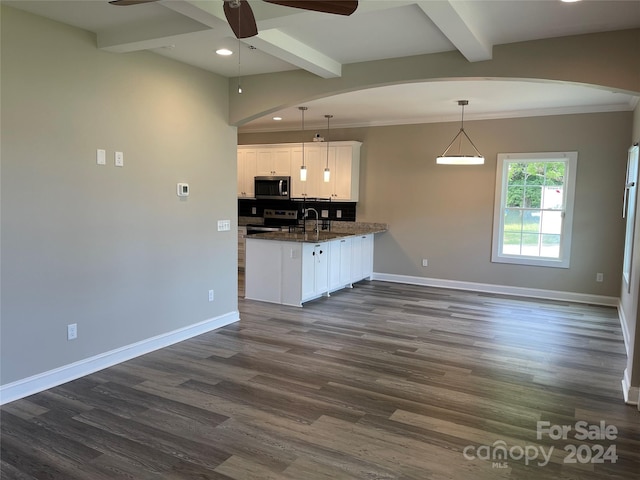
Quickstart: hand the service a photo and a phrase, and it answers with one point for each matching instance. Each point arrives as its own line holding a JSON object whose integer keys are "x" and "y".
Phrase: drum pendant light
{"x": 303, "y": 168}
{"x": 327, "y": 172}
{"x": 459, "y": 158}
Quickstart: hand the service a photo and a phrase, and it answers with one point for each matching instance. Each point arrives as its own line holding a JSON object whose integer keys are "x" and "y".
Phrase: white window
{"x": 534, "y": 208}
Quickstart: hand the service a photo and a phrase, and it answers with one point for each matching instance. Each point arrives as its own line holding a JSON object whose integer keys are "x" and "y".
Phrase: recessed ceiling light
{"x": 225, "y": 52}
{"x": 277, "y": 119}
{"x": 569, "y": 1}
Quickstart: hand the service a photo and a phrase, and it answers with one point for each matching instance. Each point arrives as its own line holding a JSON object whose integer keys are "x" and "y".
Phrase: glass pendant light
{"x": 459, "y": 158}
{"x": 303, "y": 168}
{"x": 327, "y": 172}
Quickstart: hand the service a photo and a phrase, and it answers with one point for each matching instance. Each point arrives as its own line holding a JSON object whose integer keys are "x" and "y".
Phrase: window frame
{"x": 564, "y": 258}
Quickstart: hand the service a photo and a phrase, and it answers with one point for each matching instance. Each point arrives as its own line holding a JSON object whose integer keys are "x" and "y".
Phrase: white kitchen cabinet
{"x": 315, "y": 270}
{"x": 292, "y": 272}
{"x": 286, "y": 159}
{"x": 313, "y": 162}
{"x": 274, "y": 160}
{"x": 361, "y": 257}
{"x": 344, "y": 165}
{"x": 339, "y": 263}
{"x": 247, "y": 170}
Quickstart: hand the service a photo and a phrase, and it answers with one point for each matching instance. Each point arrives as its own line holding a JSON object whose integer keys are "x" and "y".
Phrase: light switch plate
{"x": 224, "y": 225}
{"x": 101, "y": 157}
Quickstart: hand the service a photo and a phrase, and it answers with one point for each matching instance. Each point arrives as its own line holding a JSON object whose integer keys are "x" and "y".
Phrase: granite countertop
{"x": 339, "y": 231}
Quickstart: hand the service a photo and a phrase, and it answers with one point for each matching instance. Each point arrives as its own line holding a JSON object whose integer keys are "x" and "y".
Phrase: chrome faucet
{"x": 306, "y": 215}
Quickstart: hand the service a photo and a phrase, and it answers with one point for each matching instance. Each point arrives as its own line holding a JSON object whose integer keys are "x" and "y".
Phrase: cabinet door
{"x": 265, "y": 162}
{"x": 315, "y": 270}
{"x": 361, "y": 257}
{"x": 327, "y": 189}
{"x": 247, "y": 168}
{"x": 281, "y": 159}
{"x": 322, "y": 268}
{"x": 309, "y": 188}
{"x": 347, "y": 174}
{"x": 274, "y": 161}
{"x": 367, "y": 256}
{"x": 339, "y": 263}
{"x": 356, "y": 259}
{"x": 345, "y": 261}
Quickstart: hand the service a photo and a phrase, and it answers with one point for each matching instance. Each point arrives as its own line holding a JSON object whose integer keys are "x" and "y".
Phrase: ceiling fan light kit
{"x": 459, "y": 158}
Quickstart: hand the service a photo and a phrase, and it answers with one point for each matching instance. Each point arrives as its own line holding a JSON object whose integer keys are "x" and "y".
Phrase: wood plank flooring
{"x": 383, "y": 381}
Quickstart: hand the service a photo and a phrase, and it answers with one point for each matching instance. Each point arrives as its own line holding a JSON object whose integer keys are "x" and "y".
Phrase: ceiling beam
{"x": 198, "y": 16}
{"x": 286, "y": 48}
{"x": 146, "y": 36}
{"x": 450, "y": 18}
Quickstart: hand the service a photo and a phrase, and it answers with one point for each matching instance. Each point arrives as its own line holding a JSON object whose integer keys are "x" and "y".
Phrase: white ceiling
{"x": 191, "y": 30}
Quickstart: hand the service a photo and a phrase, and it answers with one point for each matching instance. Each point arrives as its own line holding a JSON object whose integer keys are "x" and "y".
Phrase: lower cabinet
{"x": 362, "y": 257}
{"x": 315, "y": 270}
{"x": 340, "y": 264}
{"x": 291, "y": 273}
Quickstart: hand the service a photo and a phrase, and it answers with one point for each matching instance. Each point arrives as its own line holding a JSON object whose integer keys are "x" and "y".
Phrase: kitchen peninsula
{"x": 293, "y": 268}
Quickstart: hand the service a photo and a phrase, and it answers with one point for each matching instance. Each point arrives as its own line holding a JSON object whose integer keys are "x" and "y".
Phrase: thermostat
{"x": 183, "y": 189}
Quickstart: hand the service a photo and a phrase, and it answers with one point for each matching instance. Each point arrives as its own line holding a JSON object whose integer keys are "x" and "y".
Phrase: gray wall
{"x": 445, "y": 213}
{"x": 111, "y": 249}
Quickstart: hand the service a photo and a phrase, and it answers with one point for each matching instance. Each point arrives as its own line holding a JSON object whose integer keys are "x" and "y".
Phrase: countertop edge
{"x": 324, "y": 236}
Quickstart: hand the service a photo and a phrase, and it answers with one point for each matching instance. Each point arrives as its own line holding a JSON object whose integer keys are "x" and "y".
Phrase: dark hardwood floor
{"x": 384, "y": 381}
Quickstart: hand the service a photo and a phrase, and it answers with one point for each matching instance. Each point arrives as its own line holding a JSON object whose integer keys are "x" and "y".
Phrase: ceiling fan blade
{"x": 240, "y": 18}
{"x": 338, "y": 7}
{"x": 126, "y": 3}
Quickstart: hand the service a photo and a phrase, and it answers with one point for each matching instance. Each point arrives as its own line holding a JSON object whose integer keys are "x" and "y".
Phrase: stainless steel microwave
{"x": 272, "y": 188}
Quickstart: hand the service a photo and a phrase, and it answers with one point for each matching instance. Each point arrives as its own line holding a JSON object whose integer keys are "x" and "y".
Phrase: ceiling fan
{"x": 243, "y": 23}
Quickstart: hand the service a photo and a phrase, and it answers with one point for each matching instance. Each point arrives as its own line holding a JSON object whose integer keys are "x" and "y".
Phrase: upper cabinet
{"x": 342, "y": 158}
{"x": 344, "y": 180}
{"x": 274, "y": 160}
{"x": 247, "y": 169}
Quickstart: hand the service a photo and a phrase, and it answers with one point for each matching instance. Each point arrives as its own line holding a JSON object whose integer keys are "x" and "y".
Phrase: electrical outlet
{"x": 119, "y": 159}
{"x": 425, "y": 262}
{"x": 599, "y": 277}
{"x": 72, "y": 331}
{"x": 211, "y": 295}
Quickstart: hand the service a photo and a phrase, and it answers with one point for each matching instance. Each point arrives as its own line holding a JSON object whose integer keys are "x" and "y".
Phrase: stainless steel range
{"x": 275, "y": 220}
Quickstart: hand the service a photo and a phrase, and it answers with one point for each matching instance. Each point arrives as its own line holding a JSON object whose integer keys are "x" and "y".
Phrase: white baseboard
{"x": 631, "y": 394}
{"x": 57, "y": 376}
{"x": 499, "y": 289}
